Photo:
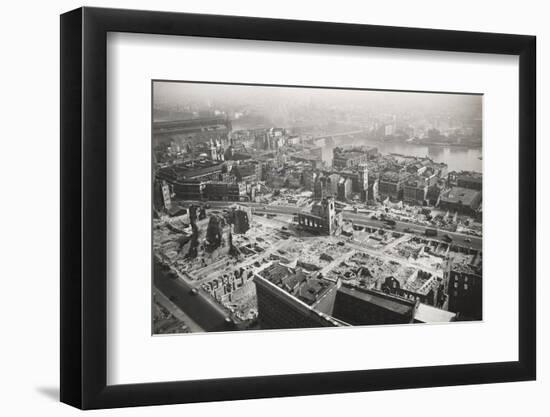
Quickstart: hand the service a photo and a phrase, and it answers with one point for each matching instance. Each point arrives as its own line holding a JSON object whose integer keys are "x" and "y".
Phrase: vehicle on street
{"x": 447, "y": 238}
{"x": 431, "y": 232}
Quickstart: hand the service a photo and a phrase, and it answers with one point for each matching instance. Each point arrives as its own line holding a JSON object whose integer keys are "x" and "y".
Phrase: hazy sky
{"x": 202, "y": 94}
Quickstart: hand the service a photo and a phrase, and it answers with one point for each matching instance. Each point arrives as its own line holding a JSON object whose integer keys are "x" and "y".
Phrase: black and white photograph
{"x": 291, "y": 207}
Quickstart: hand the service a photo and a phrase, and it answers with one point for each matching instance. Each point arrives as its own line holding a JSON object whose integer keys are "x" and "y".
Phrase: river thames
{"x": 457, "y": 158}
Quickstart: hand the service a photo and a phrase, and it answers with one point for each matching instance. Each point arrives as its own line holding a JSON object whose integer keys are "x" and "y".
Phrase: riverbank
{"x": 457, "y": 158}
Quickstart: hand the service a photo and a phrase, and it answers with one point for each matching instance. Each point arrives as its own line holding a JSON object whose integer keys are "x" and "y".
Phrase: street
{"x": 359, "y": 219}
{"x": 203, "y": 312}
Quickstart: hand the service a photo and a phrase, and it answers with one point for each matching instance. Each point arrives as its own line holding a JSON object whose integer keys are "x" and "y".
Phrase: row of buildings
{"x": 413, "y": 180}
{"x": 220, "y": 167}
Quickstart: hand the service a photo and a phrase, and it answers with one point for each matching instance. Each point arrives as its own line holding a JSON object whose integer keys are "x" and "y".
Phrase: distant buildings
{"x": 308, "y": 179}
{"x": 441, "y": 169}
{"x": 271, "y": 139}
{"x": 224, "y": 191}
{"x": 344, "y": 189}
{"x": 434, "y": 193}
{"x": 189, "y": 190}
{"x": 363, "y": 180}
{"x": 471, "y": 180}
{"x": 209, "y": 180}
{"x": 192, "y": 130}
{"x": 410, "y": 178}
{"x": 247, "y": 172}
{"x": 319, "y": 187}
{"x": 331, "y": 185}
{"x": 313, "y": 155}
{"x": 372, "y": 195}
{"x": 415, "y": 190}
{"x": 344, "y": 157}
{"x": 391, "y": 184}
{"x": 196, "y": 170}
{"x": 276, "y": 178}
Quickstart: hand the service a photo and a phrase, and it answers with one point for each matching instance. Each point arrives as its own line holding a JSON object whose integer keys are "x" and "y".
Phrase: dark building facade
{"x": 391, "y": 185}
{"x": 415, "y": 190}
{"x": 207, "y": 171}
{"x": 471, "y": 180}
{"x": 290, "y": 298}
{"x": 359, "y": 307}
{"x": 241, "y": 218}
{"x": 224, "y": 191}
{"x": 465, "y": 291}
{"x": 344, "y": 189}
{"x": 189, "y": 190}
{"x": 198, "y": 128}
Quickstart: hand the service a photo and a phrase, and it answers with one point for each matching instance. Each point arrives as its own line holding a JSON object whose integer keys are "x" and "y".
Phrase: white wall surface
{"x": 29, "y": 218}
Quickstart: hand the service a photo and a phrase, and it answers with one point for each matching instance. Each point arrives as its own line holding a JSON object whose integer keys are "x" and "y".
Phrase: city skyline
{"x": 178, "y": 92}
{"x": 292, "y": 106}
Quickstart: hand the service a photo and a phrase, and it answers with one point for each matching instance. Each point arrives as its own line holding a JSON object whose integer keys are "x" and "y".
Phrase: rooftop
{"x": 416, "y": 182}
{"x": 296, "y": 282}
{"x": 393, "y": 176}
{"x": 465, "y": 196}
{"x": 346, "y": 149}
{"x": 191, "y": 170}
{"x": 428, "y": 314}
{"x": 470, "y": 176}
{"x": 462, "y": 267}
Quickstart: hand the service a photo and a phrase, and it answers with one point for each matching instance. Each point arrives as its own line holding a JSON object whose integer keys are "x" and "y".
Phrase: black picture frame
{"x": 84, "y": 207}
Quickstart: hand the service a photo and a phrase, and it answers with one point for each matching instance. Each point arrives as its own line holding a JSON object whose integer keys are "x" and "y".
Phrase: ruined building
{"x": 323, "y": 218}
